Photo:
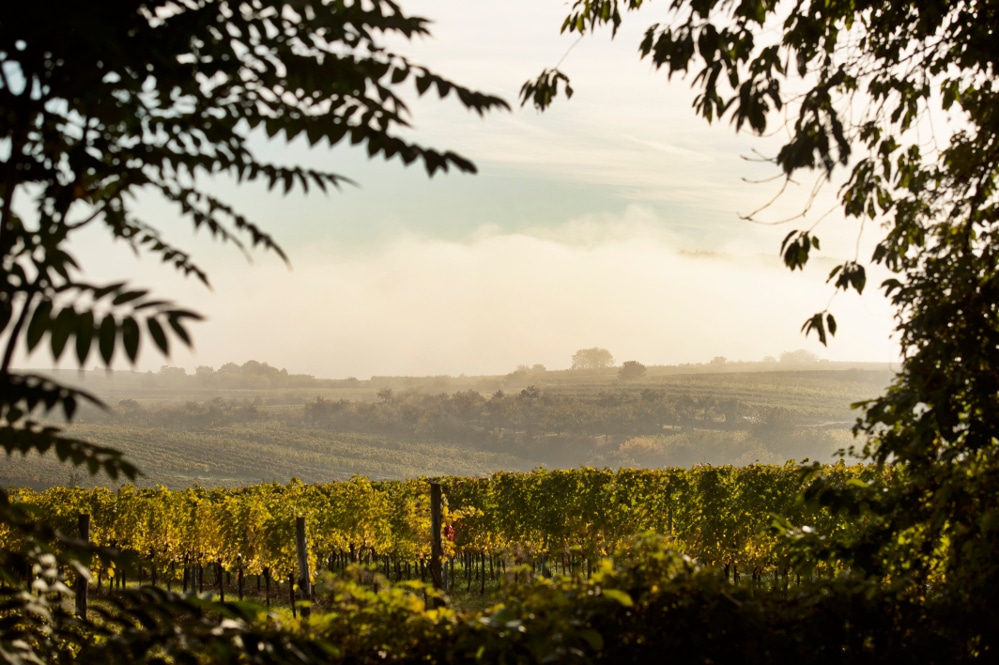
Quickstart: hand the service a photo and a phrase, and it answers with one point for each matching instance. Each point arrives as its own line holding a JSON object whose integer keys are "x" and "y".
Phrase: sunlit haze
{"x": 612, "y": 220}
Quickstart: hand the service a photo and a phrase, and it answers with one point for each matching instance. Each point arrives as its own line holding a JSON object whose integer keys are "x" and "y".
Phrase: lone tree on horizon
{"x": 595, "y": 358}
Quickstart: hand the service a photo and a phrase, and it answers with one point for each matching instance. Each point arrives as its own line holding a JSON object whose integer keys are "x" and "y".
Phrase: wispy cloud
{"x": 419, "y": 305}
{"x": 478, "y": 280}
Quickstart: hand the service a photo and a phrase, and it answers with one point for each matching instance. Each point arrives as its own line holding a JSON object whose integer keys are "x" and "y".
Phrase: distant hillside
{"x": 244, "y": 424}
{"x": 260, "y": 378}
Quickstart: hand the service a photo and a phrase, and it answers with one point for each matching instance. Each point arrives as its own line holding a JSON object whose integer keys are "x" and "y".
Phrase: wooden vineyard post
{"x": 267, "y": 588}
{"x": 239, "y": 576}
{"x": 81, "y": 578}
{"x": 436, "y": 548}
{"x": 304, "y": 578}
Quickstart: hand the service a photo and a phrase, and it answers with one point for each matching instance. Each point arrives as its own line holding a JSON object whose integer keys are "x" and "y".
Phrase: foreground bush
{"x": 636, "y": 608}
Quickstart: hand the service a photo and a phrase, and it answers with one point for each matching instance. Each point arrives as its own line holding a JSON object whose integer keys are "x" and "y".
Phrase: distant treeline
{"x": 647, "y": 428}
{"x": 463, "y": 415}
{"x": 251, "y": 374}
{"x": 260, "y": 376}
{"x": 468, "y": 415}
{"x": 216, "y": 412}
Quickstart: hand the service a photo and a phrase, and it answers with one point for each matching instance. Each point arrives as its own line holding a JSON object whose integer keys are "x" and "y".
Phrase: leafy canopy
{"x": 100, "y": 103}
{"x": 103, "y": 102}
{"x": 855, "y": 83}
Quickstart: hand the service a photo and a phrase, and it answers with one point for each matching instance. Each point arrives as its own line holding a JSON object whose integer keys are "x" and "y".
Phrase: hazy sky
{"x": 611, "y": 220}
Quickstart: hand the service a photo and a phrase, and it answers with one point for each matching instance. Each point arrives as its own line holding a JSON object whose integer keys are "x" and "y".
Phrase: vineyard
{"x": 555, "y": 522}
{"x": 183, "y": 430}
{"x": 684, "y": 530}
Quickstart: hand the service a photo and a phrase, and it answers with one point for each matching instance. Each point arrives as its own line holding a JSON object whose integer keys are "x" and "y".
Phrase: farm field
{"x": 236, "y": 455}
{"x": 257, "y": 424}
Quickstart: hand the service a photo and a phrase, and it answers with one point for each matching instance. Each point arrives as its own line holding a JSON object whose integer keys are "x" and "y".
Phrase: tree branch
{"x": 10, "y": 183}
{"x": 16, "y": 330}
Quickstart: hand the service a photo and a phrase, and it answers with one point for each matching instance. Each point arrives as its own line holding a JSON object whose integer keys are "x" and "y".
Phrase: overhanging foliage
{"x": 871, "y": 74}
{"x": 103, "y": 102}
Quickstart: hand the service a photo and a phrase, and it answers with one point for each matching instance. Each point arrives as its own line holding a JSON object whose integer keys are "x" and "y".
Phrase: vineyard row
{"x": 554, "y": 520}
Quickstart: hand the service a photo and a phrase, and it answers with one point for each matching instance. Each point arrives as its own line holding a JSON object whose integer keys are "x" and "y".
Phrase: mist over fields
{"x": 250, "y": 423}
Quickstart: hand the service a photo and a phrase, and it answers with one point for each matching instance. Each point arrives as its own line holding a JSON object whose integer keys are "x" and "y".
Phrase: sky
{"x": 613, "y": 220}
